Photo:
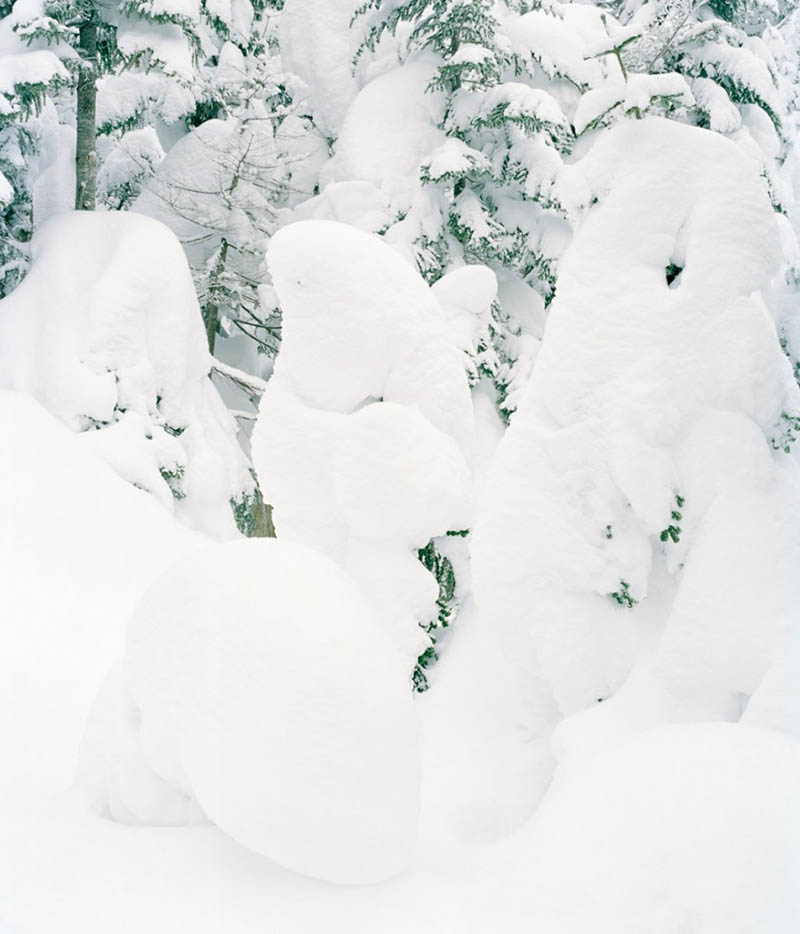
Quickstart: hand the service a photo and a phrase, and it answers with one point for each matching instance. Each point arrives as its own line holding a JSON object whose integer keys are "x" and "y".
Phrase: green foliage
{"x": 786, "y": 432}
{"x": 173, "y": 477}
{"x": 441, "y": 567}
{"x": 725, "y": 9}
{"x": 506, "y": 143}
{"x": 673, "y": 532}
{"x": 623, "y": 596}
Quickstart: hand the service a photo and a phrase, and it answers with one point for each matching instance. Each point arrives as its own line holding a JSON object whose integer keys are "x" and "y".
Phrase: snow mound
{"x": 687, "y": 828}
{"x": 641, "y": 459}
{"x": 318, "y": 45}
{"x": 361, "y": 324}
{"x": 390, "y": 127}
{"x": 106, "y": 332}
{"x": 250, "y": 666}
{"x": 78, "y": 547}
{"x": 365, "y": 429}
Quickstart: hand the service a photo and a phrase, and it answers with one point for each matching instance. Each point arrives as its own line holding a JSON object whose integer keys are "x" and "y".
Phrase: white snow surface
{"x": 78, "y": 546}
{"x": 318, "y": 45}
{"x": 250, "y": 684}
{"x": 390, "y": 127}
{"x": 692, "y": 824}
{"x": 361, "y": 324}
{"x": 684, "y": 828}
{"x": 253, "y": 736}
{"x": 105, "y": 331}
{"x": 648, "y": 399}
{"x": 365, "y": 431}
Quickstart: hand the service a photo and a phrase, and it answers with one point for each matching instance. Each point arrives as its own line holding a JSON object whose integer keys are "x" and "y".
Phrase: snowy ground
{"x": 689, "y": 828}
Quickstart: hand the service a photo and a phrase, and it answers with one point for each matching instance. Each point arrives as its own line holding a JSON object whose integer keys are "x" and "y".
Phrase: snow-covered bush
{"x": 365, "y": 429}
{"x": 637, "y": 493}
{"x": 106, "y": 332}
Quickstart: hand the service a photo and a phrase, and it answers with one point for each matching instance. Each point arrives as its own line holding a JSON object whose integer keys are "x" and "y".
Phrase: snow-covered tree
{"x": 647, "y": 461}
{"x": 364, "y": 452}
{"x": 221, "y": 186}
{"x": 489, "y": 191}
{"x": 27, "y": 76}
{"x": 96, "y": 38}
{"x": 105, "y": 332}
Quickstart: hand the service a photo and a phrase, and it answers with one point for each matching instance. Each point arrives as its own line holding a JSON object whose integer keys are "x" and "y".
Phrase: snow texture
{"x": 365, "y": 429}
{"x": 318, "y": 46}
{"x": 685, "y": 828}
{"x": 390, "y": 127}
{"x": 655, "y": 403}
{"x": 250, "y": 685}
{"x": 105, "y": 332}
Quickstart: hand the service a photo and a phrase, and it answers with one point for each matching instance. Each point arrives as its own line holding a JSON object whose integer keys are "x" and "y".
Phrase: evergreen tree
{"x": 716, "y": 46}
{"x": 492, "y": 183}
{"x": 221, "y": 186}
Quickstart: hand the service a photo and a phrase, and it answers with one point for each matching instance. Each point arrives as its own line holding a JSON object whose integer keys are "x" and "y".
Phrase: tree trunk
{"x": 85, "y": 153}
{"x": 211, "y": 311}
{"x": 263, "y": 526}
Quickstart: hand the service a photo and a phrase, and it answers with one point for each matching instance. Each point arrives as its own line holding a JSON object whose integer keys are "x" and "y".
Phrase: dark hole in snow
{"x": 673, "y": 273}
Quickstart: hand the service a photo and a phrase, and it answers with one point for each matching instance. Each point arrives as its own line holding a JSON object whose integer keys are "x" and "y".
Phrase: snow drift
{"x": 365, "y": 429}
{"x": 105, "y": 331}
{"x": 640, "y": 497}
{"x": 246, "y": 670}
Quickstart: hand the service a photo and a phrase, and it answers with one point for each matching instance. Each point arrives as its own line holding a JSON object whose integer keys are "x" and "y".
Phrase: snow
{"x": 53, "y": 167}
{"x": 272, "y": 737}
{"x": 518, "y": 100}
{"x": 466, "y": 295}
{"x": 620, "y": 419}
{"x": 361, "y": 324}
{"x": 455, "y": 157}
{"x": 319, "y": 46}
{"x": 695, "y": 823}
{"x": 723, "y": 115}
{"x": 123, "y": 97}
{"x": 128, "y": 160}
{"x": 77, "y": 547}
{"x": 636, "y": 95}
{"x": 166, "y": 43}
{"x": 685, "y": 828}
{"x": 390, "y": 127}
{"x": 106, "y": 333}
{"x": 201, "y": 735}
{"x": 33, "y": 67}
{"x": 365, "y": 430}
{"x": 747, "y": 69}
{"x": 558, "y": 43}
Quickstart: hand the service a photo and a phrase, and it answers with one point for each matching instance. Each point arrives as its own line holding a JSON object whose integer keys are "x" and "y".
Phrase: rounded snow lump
{"x": 268, "y": 692}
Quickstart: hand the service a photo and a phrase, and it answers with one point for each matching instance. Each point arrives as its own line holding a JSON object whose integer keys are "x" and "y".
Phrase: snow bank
{"x": 106, "y": 332}
{"x": 318, "y": 45}
{"x": 639, "y": 461}
{"x": 689, "y": 828}
{"x": 78, "y": 546}
{"x": 280, "y": 706}
{"x": 365, "y": 428}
